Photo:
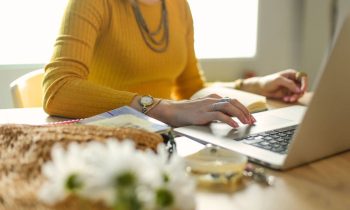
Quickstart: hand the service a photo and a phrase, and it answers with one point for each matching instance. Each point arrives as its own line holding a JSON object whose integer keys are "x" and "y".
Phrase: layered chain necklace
{"x": 158, "y": 45}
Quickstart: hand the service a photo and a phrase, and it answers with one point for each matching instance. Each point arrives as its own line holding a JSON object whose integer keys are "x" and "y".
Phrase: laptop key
{"x": 266, "y": 147}
{"x": 275, "y": 141}
{"x": 278, "y": 149}
{"x": 264, "y": 143}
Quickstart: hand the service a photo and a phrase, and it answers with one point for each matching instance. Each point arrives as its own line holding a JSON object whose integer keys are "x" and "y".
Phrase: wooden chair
{"x": 26, "y": 90}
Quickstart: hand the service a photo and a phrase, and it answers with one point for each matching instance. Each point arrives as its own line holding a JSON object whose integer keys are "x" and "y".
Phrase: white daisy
{"x": 118, "y": 174}
{"x": 107, "y": 162}
{"x": 172, "y": 186}
{"x": 64, "y": 174}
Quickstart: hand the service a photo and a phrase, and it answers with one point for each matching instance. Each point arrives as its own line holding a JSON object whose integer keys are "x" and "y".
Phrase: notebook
{"x": 126, "y": 116}
{"x": 317, "y": 131}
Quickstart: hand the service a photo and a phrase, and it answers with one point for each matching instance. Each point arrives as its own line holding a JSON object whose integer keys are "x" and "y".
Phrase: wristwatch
{"x": 145, "y": 102}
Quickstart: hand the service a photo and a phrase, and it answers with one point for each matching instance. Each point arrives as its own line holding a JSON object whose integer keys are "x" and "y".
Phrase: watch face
{"x": 146, "y": 100}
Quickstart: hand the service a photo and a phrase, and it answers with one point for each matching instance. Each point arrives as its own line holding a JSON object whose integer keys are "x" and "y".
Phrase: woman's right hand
{"x": 202, "y": 111}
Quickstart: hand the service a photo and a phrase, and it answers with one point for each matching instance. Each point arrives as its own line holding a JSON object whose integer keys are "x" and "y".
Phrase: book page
{"x": 253, "y": 102}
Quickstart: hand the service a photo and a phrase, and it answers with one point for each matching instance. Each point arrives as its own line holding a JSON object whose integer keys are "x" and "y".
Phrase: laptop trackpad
{"x": 263, "y": 123}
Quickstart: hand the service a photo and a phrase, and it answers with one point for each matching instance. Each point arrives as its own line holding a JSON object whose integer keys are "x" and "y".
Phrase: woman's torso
{"x": 121, "y": 58}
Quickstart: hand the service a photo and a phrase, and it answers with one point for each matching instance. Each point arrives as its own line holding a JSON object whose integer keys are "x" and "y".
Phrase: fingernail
{"x": 254, "y": 120}
{"x": 250, "y": 120}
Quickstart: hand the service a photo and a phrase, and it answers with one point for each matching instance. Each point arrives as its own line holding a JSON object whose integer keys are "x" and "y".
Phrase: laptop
{"x": 288, "y": 137}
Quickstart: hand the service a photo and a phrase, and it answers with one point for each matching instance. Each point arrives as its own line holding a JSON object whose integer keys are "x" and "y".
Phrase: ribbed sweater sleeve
{"x": 67, "y": 91}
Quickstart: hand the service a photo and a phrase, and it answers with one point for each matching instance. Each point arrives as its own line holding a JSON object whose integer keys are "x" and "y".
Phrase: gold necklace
{"x": 157, "y": 45}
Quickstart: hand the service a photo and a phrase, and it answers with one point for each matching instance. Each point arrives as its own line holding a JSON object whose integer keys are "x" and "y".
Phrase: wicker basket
{"x": 24, "y": 148}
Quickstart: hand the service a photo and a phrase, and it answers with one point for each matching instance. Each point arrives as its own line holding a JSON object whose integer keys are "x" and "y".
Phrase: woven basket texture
{"x": 24, "y": 148}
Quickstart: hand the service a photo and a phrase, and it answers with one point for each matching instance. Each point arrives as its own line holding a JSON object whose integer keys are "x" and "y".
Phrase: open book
{"x": 253, "y": 102}
{"x": 127, "y": 117}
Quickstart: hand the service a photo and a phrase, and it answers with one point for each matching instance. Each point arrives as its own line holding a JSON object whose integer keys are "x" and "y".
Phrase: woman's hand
{"x": 288, "y": 85}
{"x": 202, "y": 111}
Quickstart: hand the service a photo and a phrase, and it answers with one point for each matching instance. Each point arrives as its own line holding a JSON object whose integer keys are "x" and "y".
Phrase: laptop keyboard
{"x": 274, "y": 140}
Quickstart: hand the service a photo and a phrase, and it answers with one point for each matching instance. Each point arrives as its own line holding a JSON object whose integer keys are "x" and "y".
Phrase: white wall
{"x": 321, "y": 20}
{"x": 292, "y": 34}
{"x": 278, "y": 41}
{"x": 316, "y": 33}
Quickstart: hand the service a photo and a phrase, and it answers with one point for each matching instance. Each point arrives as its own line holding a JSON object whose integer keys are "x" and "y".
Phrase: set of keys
{"x": 258, "y": 174}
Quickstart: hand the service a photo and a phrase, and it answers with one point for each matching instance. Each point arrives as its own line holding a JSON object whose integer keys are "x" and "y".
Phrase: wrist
{"x": 238, "y": 84}
{"x": 251, "y": 85}
{"x": 144, "y": 103}
{"x": 162, "y": 111}
{"x": 135, "y": 103}
{"x": 156, "y": 102}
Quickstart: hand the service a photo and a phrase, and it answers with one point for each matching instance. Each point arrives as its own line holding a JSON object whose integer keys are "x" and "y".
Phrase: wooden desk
{"x": 322, "y": 185}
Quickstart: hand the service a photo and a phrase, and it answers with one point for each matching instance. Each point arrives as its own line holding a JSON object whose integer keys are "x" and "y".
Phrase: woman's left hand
{"x": 288, "y": 85}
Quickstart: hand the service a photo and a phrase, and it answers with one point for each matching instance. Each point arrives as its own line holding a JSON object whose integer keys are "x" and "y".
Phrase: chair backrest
{"x": 26, "y": 90}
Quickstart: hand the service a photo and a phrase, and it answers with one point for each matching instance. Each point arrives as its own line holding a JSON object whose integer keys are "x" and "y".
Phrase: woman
{"x": 112, "y": 53}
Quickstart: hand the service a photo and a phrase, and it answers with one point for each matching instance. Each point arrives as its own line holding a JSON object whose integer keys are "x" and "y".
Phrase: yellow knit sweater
{"x": 100, "y": 61}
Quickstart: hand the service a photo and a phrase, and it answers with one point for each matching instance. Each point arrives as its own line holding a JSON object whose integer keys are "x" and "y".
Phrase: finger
{"x": 231, "y": 110}
{"x": 213, "y": 95}
{"x": 243, "y": 109}
{"x": 289, "y": 84}
{"x": 295, "y": 97}
{"x": 210, "y": 96}
{"x": 212, "y": 116}
{"x": 234, "y": 102}
{"x": 292, "y": 98}
{"x": 288, "y": 99}
{"x": 302, "y": 80}
{"x": 289, "y": 73}
{"x": 279, "y": 93}
{"x": 304, "y": 84}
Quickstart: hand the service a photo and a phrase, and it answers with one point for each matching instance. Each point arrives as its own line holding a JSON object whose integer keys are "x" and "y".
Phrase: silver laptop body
{"x": 323, "y": 127}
